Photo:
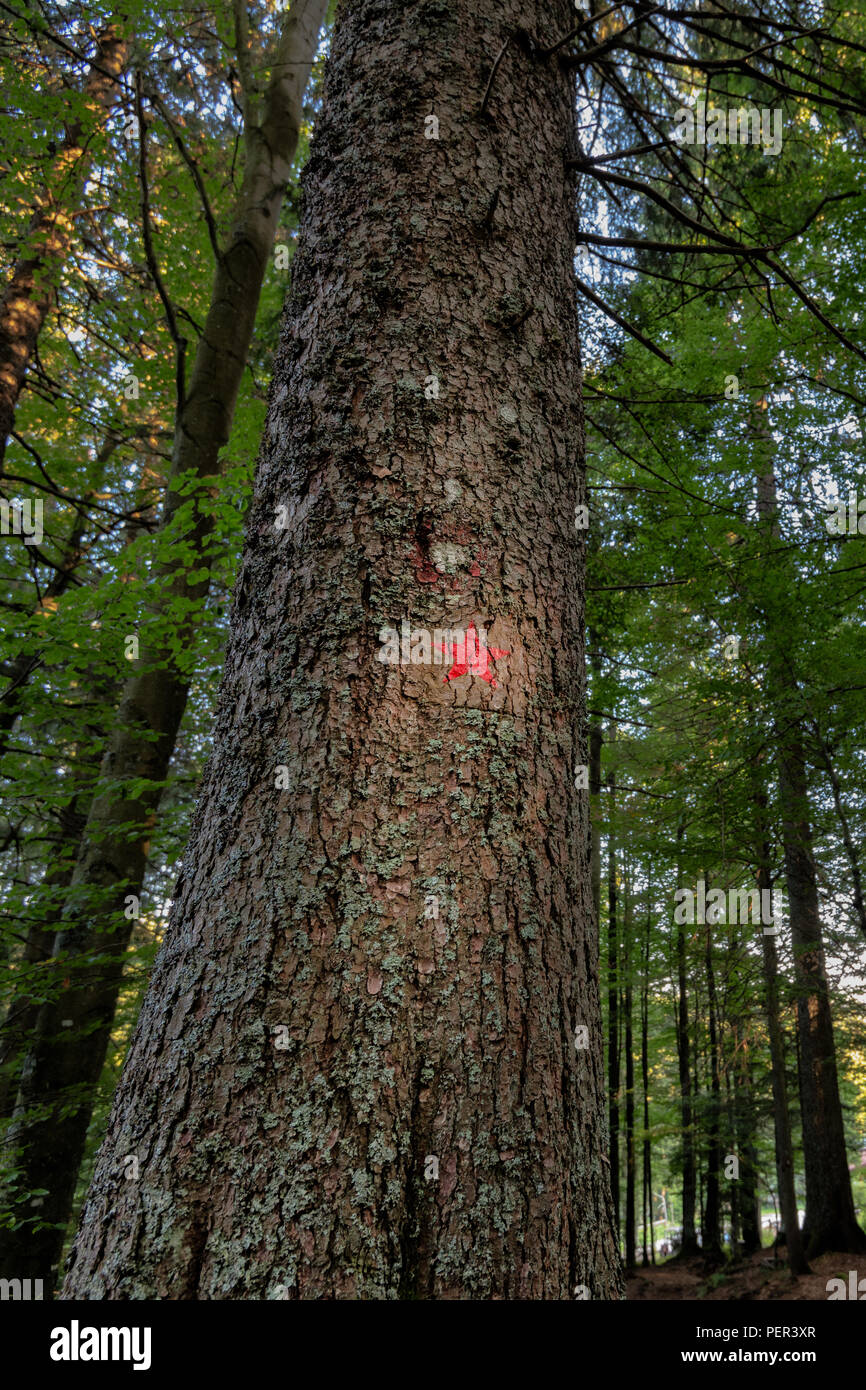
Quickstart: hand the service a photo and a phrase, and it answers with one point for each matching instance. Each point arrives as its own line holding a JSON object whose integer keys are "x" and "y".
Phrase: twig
{"x": 498, "y": 59}
{"x": 617, "y": 318}
{"x": 577, "y": 30}
{"x": 179, "y": 342}
{"x": 194, "y": 170}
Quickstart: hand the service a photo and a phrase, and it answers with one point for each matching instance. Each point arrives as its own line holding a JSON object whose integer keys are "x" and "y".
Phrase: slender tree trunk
{"x": 355, "y": 1075}
{"x": 690, "y": 1239}
{"x": 644, "y": 1061}
{"x": 710, "y": 1240}
{"x": 596, "y": 741}
{"x": 73, "y": 1032}
{"x": 781, "y": 1119}
{"x": 784, "y": 1146}
{"x": 733, "y": 1189}
{"x": 630, "y": 1160}
{"x": 830, "y": 1222}
{"x": 30, "y": 290}
{"x": 699, "y": 1105}
{"x": 745, "y": 1130}
{"x": 613, "y": 1047}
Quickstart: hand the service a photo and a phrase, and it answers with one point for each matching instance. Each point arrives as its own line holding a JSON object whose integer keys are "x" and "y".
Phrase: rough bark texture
{"x": 72, "y": 1034}
{"x": 29, "y": 293}
{"x": 386, "y": 964}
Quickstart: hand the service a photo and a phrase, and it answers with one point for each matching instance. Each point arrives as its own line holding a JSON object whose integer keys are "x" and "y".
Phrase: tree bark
{"x": 30, "y": 290}
{"x": 733, "y": 1188}
{"x": 613, "y": 1047}
{"x": 690, "y": 1239}
{"x": 784, "y": 1147}
{"x": 596, "y": 742}
{"x": 710, "y": 1235}
{"x": 356, "y": 1075}
{"x": 644, "y": 1062}
{"x": 630, "y": 1163}
{"x": 73, "y": 1032}
{"x": 746, "y": 1126}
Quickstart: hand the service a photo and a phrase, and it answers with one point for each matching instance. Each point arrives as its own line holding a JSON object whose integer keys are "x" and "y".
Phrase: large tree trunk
{"x": 830, "y": 1222}
{"x": 369, "y": 1064}
{"x": 48, "y": 1138}
{"x": 30, "y": 290}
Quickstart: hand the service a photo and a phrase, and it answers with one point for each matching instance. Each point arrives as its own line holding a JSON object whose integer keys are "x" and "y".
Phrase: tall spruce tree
{"x": 374, "y": 1032}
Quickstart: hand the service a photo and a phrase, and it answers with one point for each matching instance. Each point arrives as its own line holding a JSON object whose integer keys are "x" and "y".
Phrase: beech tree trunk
{"x": 369, "y": 1064}
{"x": 47, "y": 1137}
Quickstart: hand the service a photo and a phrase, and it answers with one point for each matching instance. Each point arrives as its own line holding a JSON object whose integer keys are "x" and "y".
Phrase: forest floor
{"x": 749, "y": 1279}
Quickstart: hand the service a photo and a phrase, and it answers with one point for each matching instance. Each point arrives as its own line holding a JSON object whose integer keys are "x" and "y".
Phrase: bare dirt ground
{"x": 748, "y": 1279}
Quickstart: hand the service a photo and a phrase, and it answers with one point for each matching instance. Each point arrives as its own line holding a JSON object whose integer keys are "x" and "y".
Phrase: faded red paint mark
{"x": 472, "y": 657}
{"x": 425, "y": 573}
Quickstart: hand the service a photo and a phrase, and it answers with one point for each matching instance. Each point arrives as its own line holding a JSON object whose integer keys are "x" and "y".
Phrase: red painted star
{"x": 472, "y": 657}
